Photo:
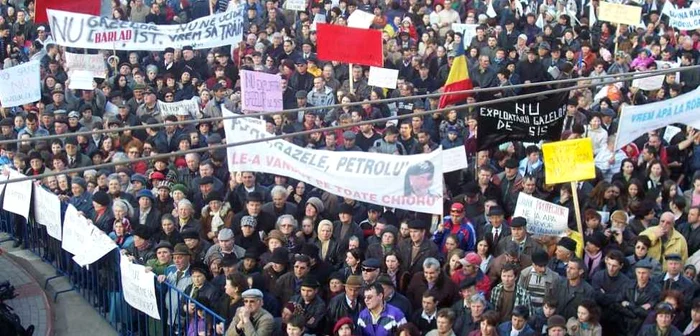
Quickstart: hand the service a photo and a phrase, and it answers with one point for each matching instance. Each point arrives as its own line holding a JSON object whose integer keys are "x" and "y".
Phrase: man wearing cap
{"x": 570, "y": 291}
{"x": 253, "y": 207}
{"x": 289, "y": 284}
{"x": 666, "y": 240}
{"x": 638, "y": 297}
{"x": 510, "y": 255}
{"x": 537, "y": 279}
{"x": 150, "y": 107}
{"x": 239, "y": 195}
{"x": 75, "y": 158}
{"x": 556, "y": 326}
{"x": 511, "y": 183}
{"x": 345, "y": 228}
{"x": 224, "y": 246}
{"x": 198, "y": 247}
{"x": 314, "y": 306}
{"x": 145, "y": 214}
{"x": 251, "y": 319}
{"x": 392, "y": 297}
{"x": 673, "y": 278}
{"x": 566, "y": 249}
{"x": 179, "y": 276}
{"x": 415, "y": 250}
{"x": 346, "y": 304}
{"x": 349, "y": 145}
{"x": 495, "y": 228}
{"x": 456, "y": 224}
{"x": 519, "y": 235}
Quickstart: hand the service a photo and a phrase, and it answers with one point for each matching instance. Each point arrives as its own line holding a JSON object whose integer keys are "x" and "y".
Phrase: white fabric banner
{"x": 684, "y": 18}
{"x": 47, "y": 211}
{"x": 18, "y": 195}
{"x": 411, "y": 182}
{"x": 20, "y": 85}
{"x": 182, "y": 108}
{"x": 543, "y": 218}
{"x": 95, "y": 64}
{"x": 76, "y": 232}
{"x": 468, "y": 31}
{"x": 383, "y": 78}
{"x": 86, "y": 31}
{"x": 138, "y": 287}
{"x": 639, "y": 119}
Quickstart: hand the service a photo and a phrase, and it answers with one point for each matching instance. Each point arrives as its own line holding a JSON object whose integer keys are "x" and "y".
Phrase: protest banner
{"x": 76, "y": 232}
{"x": 543, "y": 218}
{"x": 95, "y": 64}
{"x": 654, "y": 82}
{"x": 411, "y": 182}
{"x": 20, "y": 85}
{"x": 47, "y": 211}
{"x": 618, "y": 13}
{"x": 188, "y": 107}
{"x": 358, "y": 46}
{"x": 138, "y": 287}
{"x": 260, "y": 91}
{"x": 383, "y": 78}
{"x": 636, "y": 120}
{"x": 670, "y": 132}
{"x": 98, "y": 245}
{"x": 93, "y": 32}
{"x": 684, "y": 18}
{"x": 522, "y": 120}
{"x": 81, "y": 80}
{"x": 295, "y": 5}
{"x": 468, "y": 32}
{"x": 570, "y": 160}
{"x": 454, "y": 159}
{"x": 360, "y": 19}
{"x": 18, "y": 195}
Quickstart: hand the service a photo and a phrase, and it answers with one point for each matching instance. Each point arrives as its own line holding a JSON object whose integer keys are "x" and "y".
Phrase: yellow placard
{"x": 566, "y": 161}
{"x": 617, "y": 13}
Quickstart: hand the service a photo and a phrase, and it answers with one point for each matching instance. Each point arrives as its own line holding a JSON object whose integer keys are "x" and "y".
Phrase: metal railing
{"x": 100, "y": 285}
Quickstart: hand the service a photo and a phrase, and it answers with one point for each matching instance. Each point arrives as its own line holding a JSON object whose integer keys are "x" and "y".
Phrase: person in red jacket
{"x": 470, "y": 269}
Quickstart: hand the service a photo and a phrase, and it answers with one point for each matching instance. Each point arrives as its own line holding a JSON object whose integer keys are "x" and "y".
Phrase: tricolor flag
{"x": 457, "y": 80}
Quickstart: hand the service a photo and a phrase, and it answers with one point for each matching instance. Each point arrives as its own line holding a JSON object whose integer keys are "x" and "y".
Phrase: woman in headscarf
{"x": 121, "y": 229}
{"x": 216, "y": 215}
{"x": 327, "y": 246}
{"x": 388, "y": 244}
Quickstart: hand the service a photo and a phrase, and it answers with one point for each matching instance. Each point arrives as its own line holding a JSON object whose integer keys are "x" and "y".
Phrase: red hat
{"x": 340, "y": 323}
{"x": 471, "y": 259}
{"x": 157, "y": 176}
{"x": 457, "y": 206}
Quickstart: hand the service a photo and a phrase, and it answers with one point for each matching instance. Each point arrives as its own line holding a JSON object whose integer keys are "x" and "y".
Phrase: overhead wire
{"x": 605, "y": 79}
{"x": 323, "y": 129}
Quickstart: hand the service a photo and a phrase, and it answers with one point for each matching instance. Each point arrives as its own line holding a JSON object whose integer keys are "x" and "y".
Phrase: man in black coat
{"x": 531, "y": 70}
{"x": 346, "y": 304}
{"x": 572, "y": 290}
{"x": 673, "y": 278}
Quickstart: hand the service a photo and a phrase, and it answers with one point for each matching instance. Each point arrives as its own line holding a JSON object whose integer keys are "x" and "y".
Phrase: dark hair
{"x": 510, "y": 267}
{"x": 410, "y": 328}
{"x": 448, "y": 314}
{"x": 375, "y": 287}
{"x": 239, "y": 281}
{"x": 521, "y": 311}
{"x": 617, "y": 255}
{"x": 676, "y": 295}
{"x": 593, "y": 310}
{"x": 644, "y": 240}
{"x": 297, "y": 320}
{"x": 491, "y": 317}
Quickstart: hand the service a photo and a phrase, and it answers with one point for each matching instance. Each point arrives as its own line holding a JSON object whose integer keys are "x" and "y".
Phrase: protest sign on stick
{"x": 618, "y": 13}
{"x": 569, "y": 161}
{"x": 95, "y": 64}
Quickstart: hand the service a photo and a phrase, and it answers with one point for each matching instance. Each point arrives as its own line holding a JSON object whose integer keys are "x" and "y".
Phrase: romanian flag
{"x": 458, "y": 80}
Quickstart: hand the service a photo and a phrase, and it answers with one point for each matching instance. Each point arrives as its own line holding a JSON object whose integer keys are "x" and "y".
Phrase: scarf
{"x": 216, "y": 221}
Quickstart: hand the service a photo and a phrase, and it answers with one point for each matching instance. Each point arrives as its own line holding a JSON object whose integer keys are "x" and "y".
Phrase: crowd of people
{"x": 272, "y": 255}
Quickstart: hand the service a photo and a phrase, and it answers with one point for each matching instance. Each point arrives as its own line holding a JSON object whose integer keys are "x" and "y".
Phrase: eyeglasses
{"x": 366, "y": 269}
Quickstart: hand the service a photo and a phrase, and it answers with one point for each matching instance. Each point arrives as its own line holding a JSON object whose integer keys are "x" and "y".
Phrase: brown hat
{"x": 181, "y": 249}
{"x": 556, "y": 321}
{"x": 276, "y": 234}
{"x": 354, "y": 281}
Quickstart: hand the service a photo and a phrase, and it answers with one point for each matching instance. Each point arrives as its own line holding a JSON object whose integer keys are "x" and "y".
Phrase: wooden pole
{"x": 577, "y": 208}
{"x": 352, "y": 86}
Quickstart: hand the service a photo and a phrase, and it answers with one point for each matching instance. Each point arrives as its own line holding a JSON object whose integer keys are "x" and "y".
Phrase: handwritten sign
{"x": 182, "y": 108}
{"x": 76, "y": 232}
{"x": 18, "y": 195}
{"x": 261, "y": 91}
{"x": 81, "y": 80}
{"x": 47, "y": 211}
{"x": 138, "y": 287}
{"x": 94, "y": 64}
{"x": 543, "y": 218}
{"x": 384, "y": 78}
{"x": 360, "y": 19}
{"x": 98, "y": 245}
{"x": 20, "y": 85}
{"x": 567, "y": 161}
{"x": 295, "y": 5}
{"x": 618, "y": 13}
{"x": 454, "y": 159}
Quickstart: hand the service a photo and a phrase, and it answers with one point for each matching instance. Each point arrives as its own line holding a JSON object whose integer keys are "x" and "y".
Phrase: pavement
{"x": 70, "y": 315}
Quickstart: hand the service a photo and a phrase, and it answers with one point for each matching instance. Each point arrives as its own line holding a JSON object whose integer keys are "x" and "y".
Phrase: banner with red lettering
{"x": 93, "y": 32}
{"x": 350, "y": 45}
{"x": 411, "y": 182}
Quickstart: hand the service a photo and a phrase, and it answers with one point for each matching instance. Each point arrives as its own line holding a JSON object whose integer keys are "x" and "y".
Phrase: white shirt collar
{"x": 668, "y": 276}
{"x": 428, "y": 318}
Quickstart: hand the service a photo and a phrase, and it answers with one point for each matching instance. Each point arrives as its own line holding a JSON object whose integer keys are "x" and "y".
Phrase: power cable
{"x": 323, "y": 129}
{"x": 615, "y": 77}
